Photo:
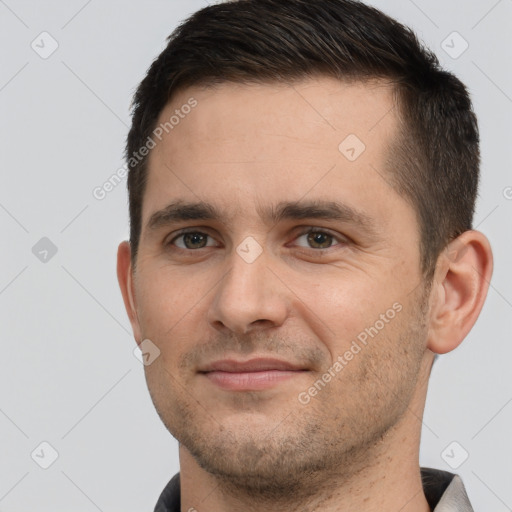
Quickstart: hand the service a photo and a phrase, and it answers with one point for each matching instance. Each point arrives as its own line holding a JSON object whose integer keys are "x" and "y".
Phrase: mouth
{"x": 252, "y": 375}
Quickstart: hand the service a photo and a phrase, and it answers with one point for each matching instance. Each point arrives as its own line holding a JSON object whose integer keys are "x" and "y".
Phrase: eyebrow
{"x": 179, "y": 211}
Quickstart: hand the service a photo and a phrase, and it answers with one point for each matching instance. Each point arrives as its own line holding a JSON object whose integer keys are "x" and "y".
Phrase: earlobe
{"x": 463, "y": 274}
{"x": 125, "y": 279}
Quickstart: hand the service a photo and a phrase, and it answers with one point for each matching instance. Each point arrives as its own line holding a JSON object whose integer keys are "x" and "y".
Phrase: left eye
{"x": 192, "y": 240}
{"x": 318, "y": 239}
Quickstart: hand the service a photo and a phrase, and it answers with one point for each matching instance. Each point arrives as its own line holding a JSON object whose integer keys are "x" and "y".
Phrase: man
{"x": 302, "y": 184}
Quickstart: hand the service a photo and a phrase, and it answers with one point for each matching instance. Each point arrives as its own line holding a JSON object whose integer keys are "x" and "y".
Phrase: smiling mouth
{"x": 252, "y": 375}
{"x": 250, "y": 381}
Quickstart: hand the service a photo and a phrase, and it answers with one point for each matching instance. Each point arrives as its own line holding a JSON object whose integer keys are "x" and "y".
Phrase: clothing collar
{"x": 444, "y": 492}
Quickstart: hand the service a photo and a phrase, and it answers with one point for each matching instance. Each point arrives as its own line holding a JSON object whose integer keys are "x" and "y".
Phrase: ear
{"x": 461, "y": 281}
{"x": 125, "y": 278}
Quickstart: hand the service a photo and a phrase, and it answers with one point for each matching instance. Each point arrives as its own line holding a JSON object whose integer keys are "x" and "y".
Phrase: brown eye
{"x": 191, "y": 240}
{"x": 319, "y": 240}
{"x": 314, "y": 238}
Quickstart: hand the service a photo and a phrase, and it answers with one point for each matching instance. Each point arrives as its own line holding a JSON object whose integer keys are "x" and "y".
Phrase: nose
{"x": 249, "y": 297}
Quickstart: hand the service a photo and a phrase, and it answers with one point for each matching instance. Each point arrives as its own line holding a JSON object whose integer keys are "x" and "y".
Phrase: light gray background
{"x": 68, "y": 374}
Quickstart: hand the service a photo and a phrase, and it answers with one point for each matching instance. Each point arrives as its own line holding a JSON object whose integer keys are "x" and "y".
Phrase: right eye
{"x": 192, "y": 240}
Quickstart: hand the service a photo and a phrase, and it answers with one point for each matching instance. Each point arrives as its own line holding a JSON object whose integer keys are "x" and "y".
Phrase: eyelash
{"x": 305, "y": 231}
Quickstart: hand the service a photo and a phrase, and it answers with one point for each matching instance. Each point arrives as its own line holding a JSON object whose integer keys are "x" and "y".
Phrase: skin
{"x": 355, "y": 444}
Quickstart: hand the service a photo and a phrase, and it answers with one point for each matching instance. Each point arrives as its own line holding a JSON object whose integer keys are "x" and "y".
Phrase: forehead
{"x": 245, "y": 144}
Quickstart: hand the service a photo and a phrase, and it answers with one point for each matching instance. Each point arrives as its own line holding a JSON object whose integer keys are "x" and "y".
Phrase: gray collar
{"x": 444, "y": 492}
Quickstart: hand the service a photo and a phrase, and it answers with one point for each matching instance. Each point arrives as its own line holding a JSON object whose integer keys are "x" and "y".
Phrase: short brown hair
{"x": 435, "y": 159}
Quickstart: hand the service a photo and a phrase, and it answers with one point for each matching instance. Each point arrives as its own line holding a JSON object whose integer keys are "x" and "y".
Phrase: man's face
{"x": 253, "y": 285}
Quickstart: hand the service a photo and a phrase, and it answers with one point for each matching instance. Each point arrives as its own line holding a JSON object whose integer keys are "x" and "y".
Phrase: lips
{"x": 253, "y": 375}
{"x": 253, "y": 365}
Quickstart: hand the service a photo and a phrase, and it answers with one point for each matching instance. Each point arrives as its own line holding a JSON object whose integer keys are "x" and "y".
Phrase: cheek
{"x": 343, "y": 308}
{"x": 168, "y": 306}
